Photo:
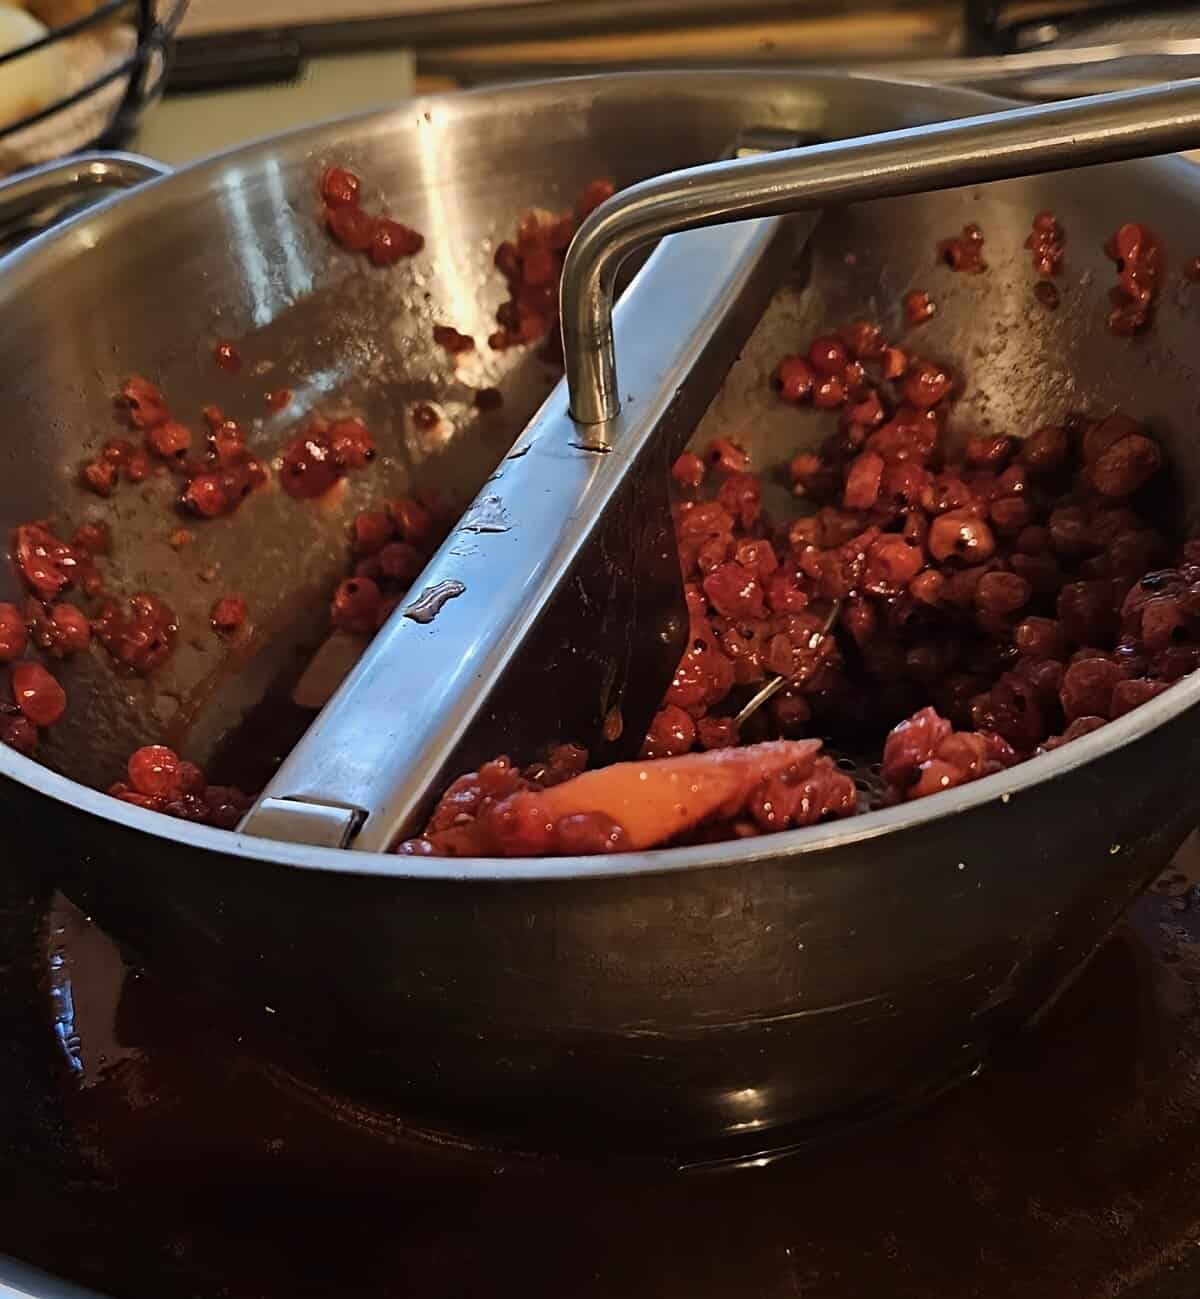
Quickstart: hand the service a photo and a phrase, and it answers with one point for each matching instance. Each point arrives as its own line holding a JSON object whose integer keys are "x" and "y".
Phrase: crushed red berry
{"x": 448, "y": 338}
{"x": 320, "y": 457}
{"x": 59, "y": 629}
{"x": 339, "y": 187}
{"x": 137, "y": 467}
{"x": 964, "y": 252}
{"x": 12, "y": 633}
{"x": 227, "y": 357}
{"x": 356, "y": 604}
{"x": 216, "y": 483}
{"x": 101, "y": 476}
{"x": 393, "y": 544}
{"x": 351, "y": 227}
{"x": 17, "y": 731}
{"x": 353, "y": 446}
{"x": 154, "y": 770}
{"x": 383, "y": 240}
{"x": 228, "y": 613}
{"x": 158, "y": 779}
{"x": 531, "y": 264}
{"x": 390, "y": 241}
{"x": 139, "y": 635}
{"x": 918, "y": 307}
{"x": 595, "y": 193}
{"x": 308, "y": 469}
{"x": 143, "y": 401}
{"x": 1138, "y": 254}
{"x": 794, "y": 379}
{"x": 169, "y": 438}
{"x": 50, "y": 565}
{"x": 37, "y": 694}
{"x": 1046, "y": 243}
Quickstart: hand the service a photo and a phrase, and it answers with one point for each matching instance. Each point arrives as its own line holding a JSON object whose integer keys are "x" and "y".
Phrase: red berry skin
{"x": 37, "y": 694}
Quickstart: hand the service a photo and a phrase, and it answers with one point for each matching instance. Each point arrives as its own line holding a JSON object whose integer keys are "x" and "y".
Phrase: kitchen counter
{"x": 184, "y": 127}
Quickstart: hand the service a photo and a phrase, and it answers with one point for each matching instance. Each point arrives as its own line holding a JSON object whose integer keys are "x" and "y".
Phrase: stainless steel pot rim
{"x": 1004, "y": 787}
{"x": 80, "y": 234}
{"x": 423, "y": 110}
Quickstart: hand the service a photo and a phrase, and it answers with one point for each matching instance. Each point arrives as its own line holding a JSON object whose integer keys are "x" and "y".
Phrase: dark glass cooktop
{"x": 147, "y": 1152}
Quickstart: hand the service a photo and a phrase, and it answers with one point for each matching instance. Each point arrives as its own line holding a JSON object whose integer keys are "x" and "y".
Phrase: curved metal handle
{"x": 26, "y": 194}
{"x": 995, "y": 146}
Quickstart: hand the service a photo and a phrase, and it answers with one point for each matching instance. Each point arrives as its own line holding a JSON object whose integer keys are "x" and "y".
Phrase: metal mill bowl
{"x": 694, "y": 998}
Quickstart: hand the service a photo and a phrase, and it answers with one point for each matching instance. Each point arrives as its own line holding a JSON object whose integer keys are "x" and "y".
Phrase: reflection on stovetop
{"x": 164, "y": 1160}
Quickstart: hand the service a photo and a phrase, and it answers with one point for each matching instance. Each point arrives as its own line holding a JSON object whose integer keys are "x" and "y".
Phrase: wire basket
{"x": 114, "y": 62}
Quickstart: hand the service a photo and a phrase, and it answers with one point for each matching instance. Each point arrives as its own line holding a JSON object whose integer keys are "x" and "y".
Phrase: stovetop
{"x": 149, "y": 1152}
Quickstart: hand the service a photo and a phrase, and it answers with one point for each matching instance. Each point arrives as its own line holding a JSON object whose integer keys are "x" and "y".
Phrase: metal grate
{"x": 863, "y": 769}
